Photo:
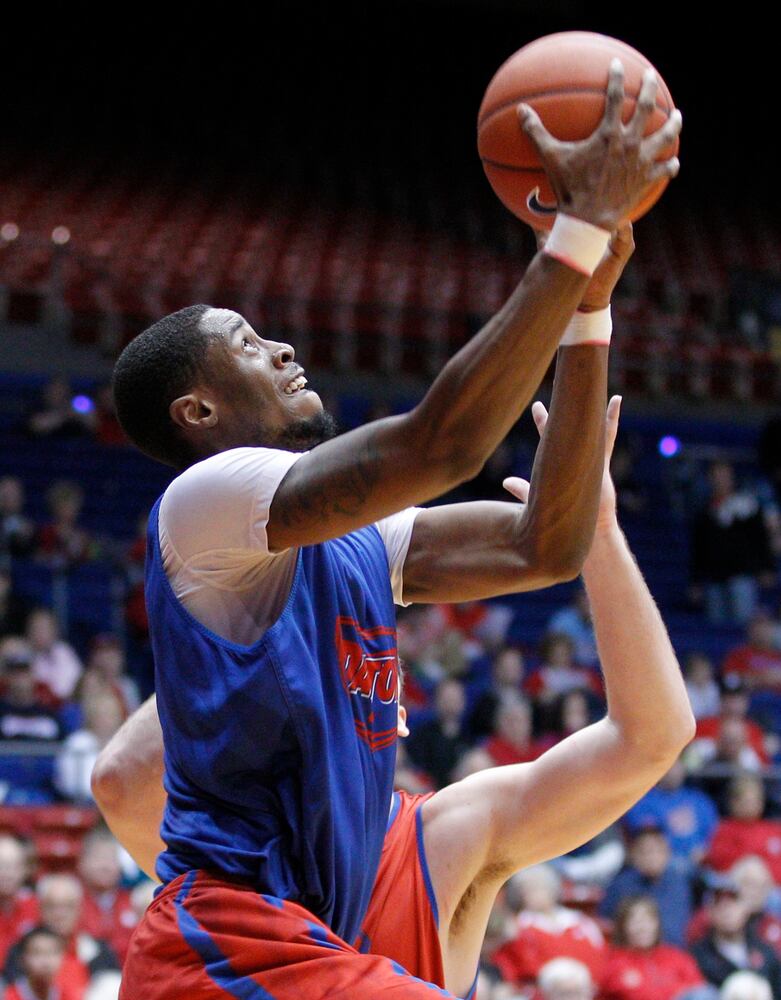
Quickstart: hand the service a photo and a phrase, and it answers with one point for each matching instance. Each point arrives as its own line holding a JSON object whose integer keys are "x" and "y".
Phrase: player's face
{"x": 262, "y": 396}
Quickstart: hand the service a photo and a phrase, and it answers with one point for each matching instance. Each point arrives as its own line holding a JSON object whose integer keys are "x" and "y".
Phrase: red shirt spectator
{"x": 744, "y": 831}
{"x": 710, "y": 729}
{"x": 659, "y": 973}
{"x": 558, "y": 673}
{"x": 18, "y": 907}
{"x": 60, "y": 899}
{"x": 547, "y": 930}
{"x": 639, "y": 967}
{"x": 107, "y": 911}
{"x": 41, "y": 958}
{"x": 758, "y": 661}
{"x": 512, "y": 741}
{"x": 63, "y": 542}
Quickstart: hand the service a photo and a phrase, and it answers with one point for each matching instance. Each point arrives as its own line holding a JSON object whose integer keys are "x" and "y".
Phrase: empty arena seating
{"x": 55, "y": 832}
{"x": 362, "y": 286}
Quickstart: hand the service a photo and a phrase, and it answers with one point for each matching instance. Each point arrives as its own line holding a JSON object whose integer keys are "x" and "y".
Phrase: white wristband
{"x": 576, "y": 243}
{"x": 588, "y": 328}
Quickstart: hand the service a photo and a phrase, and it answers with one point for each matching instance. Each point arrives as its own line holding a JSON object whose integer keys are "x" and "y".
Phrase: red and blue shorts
{"x": 204, "y": 938}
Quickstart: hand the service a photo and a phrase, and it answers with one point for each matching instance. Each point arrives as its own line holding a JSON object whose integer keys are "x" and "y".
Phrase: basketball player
{"x": 272, "y": 565}
{"x": 446, "y": 855}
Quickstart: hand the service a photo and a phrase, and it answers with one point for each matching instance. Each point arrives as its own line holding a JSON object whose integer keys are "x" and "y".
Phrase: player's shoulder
{"x": 237, "y": 459}
{"x": 227, "y": 472}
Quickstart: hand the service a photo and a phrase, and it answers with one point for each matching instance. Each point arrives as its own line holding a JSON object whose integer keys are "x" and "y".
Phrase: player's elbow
{"x": 658, "y": 746}
{"x": 553, "y": 560}
{"x": 106, "y": 782}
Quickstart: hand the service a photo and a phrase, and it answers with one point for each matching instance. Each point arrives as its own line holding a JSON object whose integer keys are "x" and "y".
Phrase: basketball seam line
{"x": 559, "y": 92}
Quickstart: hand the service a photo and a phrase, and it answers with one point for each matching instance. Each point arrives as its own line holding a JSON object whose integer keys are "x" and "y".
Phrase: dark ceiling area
{"x": 379, "y": 90}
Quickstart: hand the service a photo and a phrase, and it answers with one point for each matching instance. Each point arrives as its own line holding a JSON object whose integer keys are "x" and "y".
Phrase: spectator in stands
{"x": 26, "y": 715}
{"x": 687, "y": 815}
{"x": 436, "y": 745}
{"x": 62, "y": 542}
{"x": 745, "y": 831}
{"x": 745, "y": 986}
{"x": 574, "y": 621}
{"x": 596, "y": 863}
{"x": 651, "y": 870}
{"x": 728, "y": 946}
{"x": 60, "y": 898}
{"x": 512, "y": 741}
{"x": 734, "y": 702}
{"x": 17, "y": 531}
{"x": 758, "y": 664}
{"x": 506, "y": 679}
{"x": 41, "y": 954}
{"x": 565, "y": 979}
{"x": 715, "y": 763}
{"x": 639, "y": 966}
{"x": 558, "y": 672}
{"x": 544, "y": 929}
{"x": 56, "y": 416}
{"x": 758, "y": 661}
{"x": 570, "y": 713}
{"x": 13, "y": 610}
{"x": 757, "y": 890}
{"x": 135, "y": 605}
{"x": 18, "y": 906}
{"x": 105, "y": 667}
{"x": 106, "y": 427}
{"x": 55, "y": 662}
{"x": 701, "y": 686}
{"x": 406, "y": 776}
{"x": 108, "y": 909}
{"x": 103, "y": 713}
{"x": 731, "y": 550}
{"x": 632, "y": 497}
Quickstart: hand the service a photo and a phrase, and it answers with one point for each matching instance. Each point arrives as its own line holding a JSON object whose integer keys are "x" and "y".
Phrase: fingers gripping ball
{"x": 564, "y": 78}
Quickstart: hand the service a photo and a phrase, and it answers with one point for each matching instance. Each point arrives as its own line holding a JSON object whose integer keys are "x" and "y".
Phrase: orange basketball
{"x": 563, "y": 77}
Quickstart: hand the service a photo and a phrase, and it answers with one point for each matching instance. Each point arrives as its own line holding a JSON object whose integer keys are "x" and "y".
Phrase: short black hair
{"x": 40, "y": 931}
{"x": 153, "y": 370}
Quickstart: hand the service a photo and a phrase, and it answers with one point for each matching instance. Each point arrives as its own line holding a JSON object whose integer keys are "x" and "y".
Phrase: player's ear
{"x": 193, "y": 411}
{"x": 401, "y": 726}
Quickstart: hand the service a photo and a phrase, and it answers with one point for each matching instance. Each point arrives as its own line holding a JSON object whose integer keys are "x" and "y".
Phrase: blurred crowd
{"x": 64, "y": 933}
{"x": 679, "y": 899}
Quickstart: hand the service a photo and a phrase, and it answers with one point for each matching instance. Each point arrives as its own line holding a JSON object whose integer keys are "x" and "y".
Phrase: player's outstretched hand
{"x": 602, "y": 178}
{"x": 606, "y": 516}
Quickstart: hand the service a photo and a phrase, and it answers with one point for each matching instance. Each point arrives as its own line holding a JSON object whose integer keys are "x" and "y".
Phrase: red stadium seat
{"x": 72, "y": 820}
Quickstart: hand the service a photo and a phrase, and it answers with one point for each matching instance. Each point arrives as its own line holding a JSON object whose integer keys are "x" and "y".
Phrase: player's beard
{"x": 307, "y": 433}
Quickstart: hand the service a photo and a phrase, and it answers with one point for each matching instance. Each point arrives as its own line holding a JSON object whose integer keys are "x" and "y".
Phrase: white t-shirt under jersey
{"x": 212, "y": 528}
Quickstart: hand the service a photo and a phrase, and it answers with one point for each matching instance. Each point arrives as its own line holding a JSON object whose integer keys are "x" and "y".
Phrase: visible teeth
{"x": 295, "y": 384}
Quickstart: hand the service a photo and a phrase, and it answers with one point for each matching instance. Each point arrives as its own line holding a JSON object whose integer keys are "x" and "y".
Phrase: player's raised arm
{"x": 481, "y": 392}
{"x": 467, "y": 551}
{"x": 504, "y": 819}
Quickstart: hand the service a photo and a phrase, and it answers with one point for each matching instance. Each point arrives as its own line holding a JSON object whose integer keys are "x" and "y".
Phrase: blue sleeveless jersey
{"x": 279, "y": 756}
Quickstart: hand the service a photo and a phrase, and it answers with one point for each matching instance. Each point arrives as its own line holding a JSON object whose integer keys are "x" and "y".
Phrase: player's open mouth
{"x": 295, "y": 385}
